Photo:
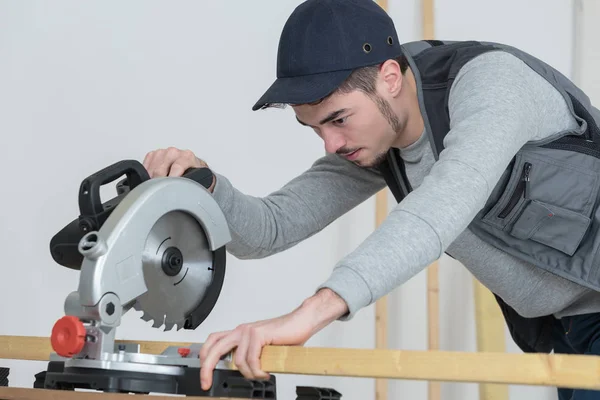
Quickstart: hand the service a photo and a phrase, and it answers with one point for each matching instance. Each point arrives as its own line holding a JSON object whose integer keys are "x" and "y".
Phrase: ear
{"x": 391, "y": 77}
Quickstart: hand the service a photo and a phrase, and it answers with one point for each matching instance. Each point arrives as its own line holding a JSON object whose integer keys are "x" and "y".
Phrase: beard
{"x": 376, "y": 161}
{"x": 393, "y": 121}
{"x": 388, "y": 113}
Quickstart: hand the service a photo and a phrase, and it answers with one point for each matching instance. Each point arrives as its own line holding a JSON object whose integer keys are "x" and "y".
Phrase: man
{"x": 446, "y": 128}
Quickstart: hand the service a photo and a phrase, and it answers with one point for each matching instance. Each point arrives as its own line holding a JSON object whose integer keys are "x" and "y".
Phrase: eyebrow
{"x": 333, "y": 115}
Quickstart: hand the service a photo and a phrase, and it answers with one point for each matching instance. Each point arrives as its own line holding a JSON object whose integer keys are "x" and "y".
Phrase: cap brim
{"x": 302, "y": 89}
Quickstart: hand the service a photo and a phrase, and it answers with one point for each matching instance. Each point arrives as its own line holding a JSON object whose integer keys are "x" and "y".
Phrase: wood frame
{"x": 489, "y": 326}
{"x": 381, "y": 211}
{"x": 433, "y": 286}
{"x": 381, "y": 306}
{"x": 559, "y": 370}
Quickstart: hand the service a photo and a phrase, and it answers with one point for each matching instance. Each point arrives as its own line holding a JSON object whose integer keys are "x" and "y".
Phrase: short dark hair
{"x": 362, "y": 79}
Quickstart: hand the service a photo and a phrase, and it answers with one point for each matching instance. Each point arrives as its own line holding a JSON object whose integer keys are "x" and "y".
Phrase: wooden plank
{"x": 489, "y": 324}
{"x": 14, "y": 393}
{"x": 39, "y": 347}
{"x": 574, "y": 371}
{"x": 571, "y": 371}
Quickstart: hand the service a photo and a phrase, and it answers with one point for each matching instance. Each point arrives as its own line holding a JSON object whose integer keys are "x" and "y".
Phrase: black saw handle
{"x": 90, "y": 203}
{"x": 93, "y": 213}
{"x": 202, "y": 175}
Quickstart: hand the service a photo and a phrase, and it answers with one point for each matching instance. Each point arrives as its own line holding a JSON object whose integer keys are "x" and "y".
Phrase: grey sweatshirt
{"x": 496, "y": 105}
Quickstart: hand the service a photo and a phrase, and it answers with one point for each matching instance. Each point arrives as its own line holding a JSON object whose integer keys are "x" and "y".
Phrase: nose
{"x": 333, "y": 140}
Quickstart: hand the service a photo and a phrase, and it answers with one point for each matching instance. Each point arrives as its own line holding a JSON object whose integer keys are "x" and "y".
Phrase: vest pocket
{"x": 518, "y": 193}
{"x": 512, "y": 197}
{"x": 551, "y": 225}
{"x": 549, "y": 198}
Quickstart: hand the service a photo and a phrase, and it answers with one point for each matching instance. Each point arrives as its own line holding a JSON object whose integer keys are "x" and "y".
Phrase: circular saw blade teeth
{"x": 176, "y": 290}
{"x": 168, "y": 326}
{"x": 158, "y": 323}
{"x": 146, "y": 317}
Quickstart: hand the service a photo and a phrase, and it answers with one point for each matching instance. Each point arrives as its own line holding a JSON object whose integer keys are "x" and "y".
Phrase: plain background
{"x": 85, "y": 84}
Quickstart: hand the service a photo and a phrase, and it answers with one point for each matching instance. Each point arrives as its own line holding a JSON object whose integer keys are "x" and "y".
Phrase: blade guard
{"x": 93, "y": 213}
{"x": 110, "y": 258}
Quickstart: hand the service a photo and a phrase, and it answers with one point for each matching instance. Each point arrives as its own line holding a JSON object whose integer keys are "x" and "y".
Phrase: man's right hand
{"x": 172, "y": 162}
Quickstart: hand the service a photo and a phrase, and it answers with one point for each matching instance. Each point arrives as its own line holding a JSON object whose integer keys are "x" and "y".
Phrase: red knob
{"x": 183, "y": 351}
{"x": 68, "y": 336}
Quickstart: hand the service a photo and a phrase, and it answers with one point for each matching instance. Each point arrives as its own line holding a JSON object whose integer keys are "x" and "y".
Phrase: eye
{"x": 340, "y": 121}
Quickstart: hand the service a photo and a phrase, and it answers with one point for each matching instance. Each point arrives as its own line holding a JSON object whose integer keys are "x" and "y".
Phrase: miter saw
{"x": 157, "y": 247}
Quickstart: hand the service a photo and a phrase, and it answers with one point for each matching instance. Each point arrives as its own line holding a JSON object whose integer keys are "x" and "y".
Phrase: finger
{"x": 253, "y": 357}
{"x": 168, "y": 157}
{"x": 210, "y": 341}
{"x": 223, "y": 346}
{"x": 240, "y": 354}
{"x": 148, "y": 159}
{"x": 178, "y": 168}
{"x": 213, "y": 356}
{"x": 162, "y": 168}
{"x": 153, "y": 161}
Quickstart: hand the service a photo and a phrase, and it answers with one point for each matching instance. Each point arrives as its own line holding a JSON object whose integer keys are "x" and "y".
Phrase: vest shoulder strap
{"x": 436, "y": 63}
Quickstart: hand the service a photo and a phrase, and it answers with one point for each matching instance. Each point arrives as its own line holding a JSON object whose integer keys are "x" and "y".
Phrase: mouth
{"x": 353, "y": 155}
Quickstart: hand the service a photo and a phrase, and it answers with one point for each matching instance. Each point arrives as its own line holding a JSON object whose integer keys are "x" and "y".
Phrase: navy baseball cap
{"x": 322, "y": 42}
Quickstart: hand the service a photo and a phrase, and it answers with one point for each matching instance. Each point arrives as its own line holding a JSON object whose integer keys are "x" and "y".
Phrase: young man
{"x": 492, "y": 155}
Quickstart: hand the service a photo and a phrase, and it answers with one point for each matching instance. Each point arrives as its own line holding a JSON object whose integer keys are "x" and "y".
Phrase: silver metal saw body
{"x": 161, "y": 251}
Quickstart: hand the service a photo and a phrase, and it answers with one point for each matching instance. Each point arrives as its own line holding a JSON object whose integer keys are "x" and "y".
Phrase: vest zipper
{"x": 522, "y": 189}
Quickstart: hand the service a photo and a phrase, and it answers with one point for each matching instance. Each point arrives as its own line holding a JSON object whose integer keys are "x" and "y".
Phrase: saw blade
{"x": 178, "y": 269}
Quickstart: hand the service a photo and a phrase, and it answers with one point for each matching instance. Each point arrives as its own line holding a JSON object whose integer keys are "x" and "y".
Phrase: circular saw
{"x": 158, "y": 247}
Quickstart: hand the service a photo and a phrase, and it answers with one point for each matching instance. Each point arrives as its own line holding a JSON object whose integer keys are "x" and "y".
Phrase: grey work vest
{"x": 544, "y": 209}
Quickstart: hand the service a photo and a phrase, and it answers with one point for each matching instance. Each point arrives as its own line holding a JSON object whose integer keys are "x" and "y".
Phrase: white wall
{"x": 75, "y": 77}
{"x": 586, "y": 61}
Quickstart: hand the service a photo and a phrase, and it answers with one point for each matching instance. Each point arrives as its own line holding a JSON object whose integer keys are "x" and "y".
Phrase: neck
{"x": 413, "y": 129}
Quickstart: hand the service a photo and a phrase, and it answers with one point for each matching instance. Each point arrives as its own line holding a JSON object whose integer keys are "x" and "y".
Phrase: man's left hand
{"x": 294, "y": 328}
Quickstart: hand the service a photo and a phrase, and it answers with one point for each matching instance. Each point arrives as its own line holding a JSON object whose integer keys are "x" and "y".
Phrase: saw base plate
{"x": 226, "y": 383}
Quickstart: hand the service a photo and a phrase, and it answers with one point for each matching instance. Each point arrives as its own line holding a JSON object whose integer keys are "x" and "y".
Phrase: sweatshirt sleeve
{"x": 496, "y": 105}
{"x": 263, "y": 226}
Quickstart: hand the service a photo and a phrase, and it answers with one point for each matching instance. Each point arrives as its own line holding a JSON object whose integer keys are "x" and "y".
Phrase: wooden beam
{"x": 428, "y": 20}
{"x": 558, "y": 370}
{"x": 433, "y": 285}
{"x": 38, "y": 348}
{"x": 574, "y": 371}
{"x": 14, "y": 393}
{"x": 383, "y": 4}
{"x": 489, "y": 324}
{"x": 434, "y": 390}
{"x": 381, "y": 306}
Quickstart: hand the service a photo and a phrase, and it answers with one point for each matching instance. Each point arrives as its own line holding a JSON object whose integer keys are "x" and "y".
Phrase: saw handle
{"x": 203, "y": 176}
{"x": 90, "y": 203}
